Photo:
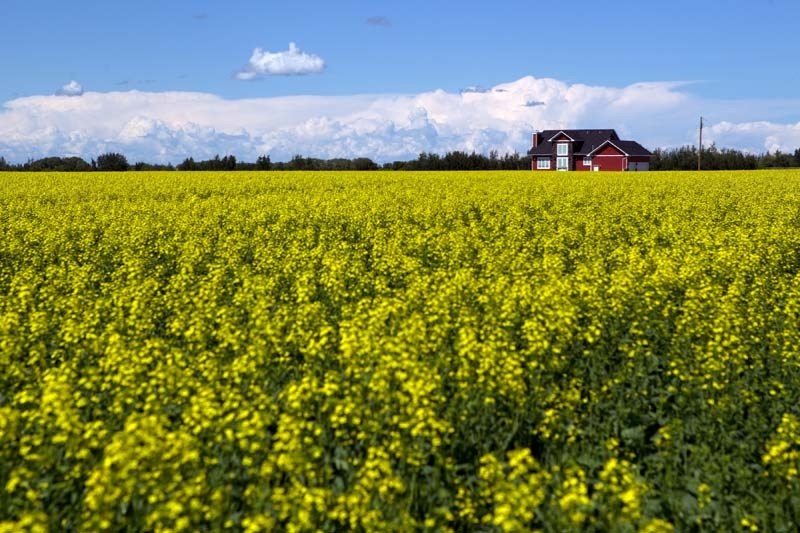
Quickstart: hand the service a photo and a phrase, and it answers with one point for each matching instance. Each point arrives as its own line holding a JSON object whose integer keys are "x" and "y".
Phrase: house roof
{"x": 585, "y": 142}
{"x": 633, "y": 148}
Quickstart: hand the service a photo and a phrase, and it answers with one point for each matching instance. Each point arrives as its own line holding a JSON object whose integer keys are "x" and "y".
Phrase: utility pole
{"x": 700, "y": 148}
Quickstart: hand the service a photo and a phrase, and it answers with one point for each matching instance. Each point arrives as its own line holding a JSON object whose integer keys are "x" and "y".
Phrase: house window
{"x": 543, "y": 163}
{"x": 562, "y": 149}
{"x": 587, "y": 161}
{"x": 562, "y": 163}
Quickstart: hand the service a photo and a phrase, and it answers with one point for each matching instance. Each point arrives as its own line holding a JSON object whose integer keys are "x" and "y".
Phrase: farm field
{"x": 382, "y": 351}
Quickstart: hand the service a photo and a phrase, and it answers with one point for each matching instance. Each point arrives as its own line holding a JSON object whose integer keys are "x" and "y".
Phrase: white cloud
{"x": 169, "y": 126}
{"x": 284, "y": 63}
{"x": 73, "y": 88}
{"x": 759, "y": 136}
{"x": 379, "y": 20}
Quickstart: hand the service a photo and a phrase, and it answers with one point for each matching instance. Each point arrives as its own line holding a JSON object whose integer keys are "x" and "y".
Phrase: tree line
{"x": 426, "y": 161}
{"x": 713, "y": 158}
{"x": 683, "y": 158}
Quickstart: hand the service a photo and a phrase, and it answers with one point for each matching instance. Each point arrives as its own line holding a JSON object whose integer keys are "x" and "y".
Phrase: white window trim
{"x": 559, "y": 146}
{"x": 558, "y": 163}
{"x": 543, "y": 163}
{"x": 587, "y": 161}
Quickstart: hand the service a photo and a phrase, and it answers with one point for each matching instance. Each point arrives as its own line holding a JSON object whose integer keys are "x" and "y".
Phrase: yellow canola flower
{"x": 391, "y": 351}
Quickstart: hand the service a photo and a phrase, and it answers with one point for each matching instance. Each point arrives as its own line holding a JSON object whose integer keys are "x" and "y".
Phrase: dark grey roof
{"x": 632, "y": 148}
{"x": 585, "y": 142}
{"x": 581, "y": 134}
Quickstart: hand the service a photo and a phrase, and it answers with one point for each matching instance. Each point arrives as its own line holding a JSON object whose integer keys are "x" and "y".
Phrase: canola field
{"x": 400, "y": 351}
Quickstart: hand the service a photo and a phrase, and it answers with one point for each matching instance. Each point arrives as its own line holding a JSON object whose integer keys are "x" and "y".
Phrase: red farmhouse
{"x": 586, "y": 150}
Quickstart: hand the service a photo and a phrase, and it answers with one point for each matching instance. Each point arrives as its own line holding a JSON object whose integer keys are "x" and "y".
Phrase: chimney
{"x": 535, "y": 139}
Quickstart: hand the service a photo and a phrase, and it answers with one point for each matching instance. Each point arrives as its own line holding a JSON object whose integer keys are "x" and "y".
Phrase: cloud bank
{"x": 757, "y": 136}
{"x": 170, "y": 126}
{"x": 291, "y": 62}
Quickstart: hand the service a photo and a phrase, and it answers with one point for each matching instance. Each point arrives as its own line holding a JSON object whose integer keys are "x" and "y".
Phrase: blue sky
{"x": 740, "y": 57}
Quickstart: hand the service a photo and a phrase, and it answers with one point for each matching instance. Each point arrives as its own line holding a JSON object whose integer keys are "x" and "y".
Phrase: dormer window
{"x": 562, "y": 149}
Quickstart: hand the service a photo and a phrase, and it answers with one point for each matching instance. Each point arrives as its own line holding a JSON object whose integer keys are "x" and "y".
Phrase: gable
{"x": 608, "y": 149}
{"x": 561, "y": 135}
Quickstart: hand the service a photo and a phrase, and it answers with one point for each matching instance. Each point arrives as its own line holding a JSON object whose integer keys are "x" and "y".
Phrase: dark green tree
{"x": 112, "y": 161}
{"x": 364, "y": 163}
{"x": 188, "y": 164}
{"x": 58, "y": 164}
{"x": 263, "y": 163}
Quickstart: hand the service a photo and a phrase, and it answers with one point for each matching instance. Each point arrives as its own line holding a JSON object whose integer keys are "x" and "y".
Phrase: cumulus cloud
{"x": 758, "y": 136}
{"x": 169, "y": 126}
{"x": 73, "y": 88}
{"x": 379, "y": 20}
{"x": 291, "y": 62}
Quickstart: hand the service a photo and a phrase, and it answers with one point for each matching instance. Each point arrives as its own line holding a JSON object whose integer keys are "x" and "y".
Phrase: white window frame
{"x": 543, "y": 163}
{"x": 587, "y": 161}
{"x": 562, "y": 148}
{"x": 560, "y": 160}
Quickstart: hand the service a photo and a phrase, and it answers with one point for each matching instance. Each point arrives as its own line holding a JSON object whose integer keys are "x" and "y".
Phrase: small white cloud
{"x": 73, "y": 88}
{"x": 379, "y": 20}
{"x": 291, "y": 62}
{"x": 474, "y": 89}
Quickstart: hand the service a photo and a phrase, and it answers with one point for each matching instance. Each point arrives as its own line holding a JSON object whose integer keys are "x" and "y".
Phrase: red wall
{"x": 579, "y": 164}
{"x": 609, "y": 162}
{"x": 609, "y": 158}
